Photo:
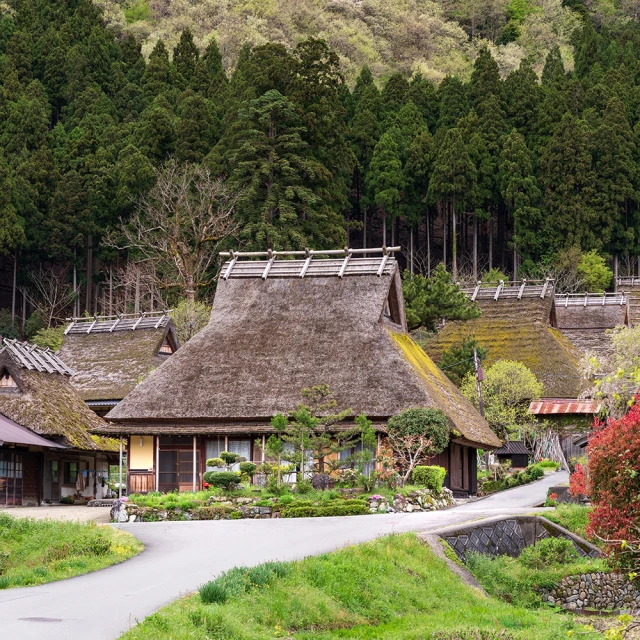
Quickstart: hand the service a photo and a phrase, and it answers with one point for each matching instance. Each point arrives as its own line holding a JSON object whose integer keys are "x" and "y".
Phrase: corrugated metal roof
{"x": 35, "y": 358}
{"x": 110, "y": 324}
{"x": 15, "y": 434}
{"x": 564, "y": 406}
{"x": 517, "y": 447}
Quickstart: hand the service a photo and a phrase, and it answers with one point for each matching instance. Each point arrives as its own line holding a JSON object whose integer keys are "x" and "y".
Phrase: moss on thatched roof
{"x": 519, "y": 330}
{"x": 108, "y": 365}
{"x": 47, "y": 404}
{"x": 268, "y": 339}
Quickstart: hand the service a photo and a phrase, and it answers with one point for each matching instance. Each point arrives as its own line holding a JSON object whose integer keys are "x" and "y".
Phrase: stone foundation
{"x": 600, "y": 591}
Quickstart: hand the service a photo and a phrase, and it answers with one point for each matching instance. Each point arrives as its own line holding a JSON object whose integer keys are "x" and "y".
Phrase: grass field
{"x": 393, "y": 588}
{"x": 38, "y": 551}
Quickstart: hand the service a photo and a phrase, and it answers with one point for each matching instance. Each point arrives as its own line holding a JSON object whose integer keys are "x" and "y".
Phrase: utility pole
{"x": 479, "y": 379}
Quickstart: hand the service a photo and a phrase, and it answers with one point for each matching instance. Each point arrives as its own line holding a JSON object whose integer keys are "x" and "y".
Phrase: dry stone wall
{"x": 600, "y": 591}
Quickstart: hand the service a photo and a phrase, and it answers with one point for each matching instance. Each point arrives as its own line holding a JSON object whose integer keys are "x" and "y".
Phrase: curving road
{"x": 179, "y": 556}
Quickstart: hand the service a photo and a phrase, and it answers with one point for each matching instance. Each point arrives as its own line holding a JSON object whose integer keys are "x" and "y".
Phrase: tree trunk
{"x": 393, "y": 232}
{"x": 87, "y": 304}
{"x": 411, "y": 250}
{"x": 428, "y": 246}
{"x": 615, "y": 272}
{"x": 384, "y": 229}
{"x": 490, "y": 227}
{"x": 13, "y": 287}
{"x": 454, "y": 241}
{"x": 444, "y": 235}
{"x": 136, "y": 300}
{"x": 110, "y": 290}
{"x": 475, "y": 247}
{"x": 190, "y": 292}
{"x": 364, "y": 229}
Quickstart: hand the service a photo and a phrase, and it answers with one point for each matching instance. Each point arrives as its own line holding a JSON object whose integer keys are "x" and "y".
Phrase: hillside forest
{"x": 526, "y": 171}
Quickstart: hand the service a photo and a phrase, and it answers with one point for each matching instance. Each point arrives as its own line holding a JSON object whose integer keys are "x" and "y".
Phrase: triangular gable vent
{"x": 7, "y": 381}
{"x": 167, "y": 348}
{"x": 392, "y": 306}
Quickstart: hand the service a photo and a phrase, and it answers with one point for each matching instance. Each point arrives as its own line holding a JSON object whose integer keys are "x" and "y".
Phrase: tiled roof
{"x": 35, "y": 358}
{"x": 564, "y": 406}
{"x": 513, "y": 448}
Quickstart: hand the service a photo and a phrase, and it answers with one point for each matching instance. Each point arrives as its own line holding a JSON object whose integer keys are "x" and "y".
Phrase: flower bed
{"x": 241, "y": 507}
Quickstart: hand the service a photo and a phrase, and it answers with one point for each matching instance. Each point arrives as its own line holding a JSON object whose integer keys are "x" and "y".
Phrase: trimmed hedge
{"x": 221, "y": 478}
{"x": 307, "y": 509}
{"x": 431, "y": 477}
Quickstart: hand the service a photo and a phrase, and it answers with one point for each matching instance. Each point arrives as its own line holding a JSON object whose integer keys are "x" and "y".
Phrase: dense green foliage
{"x": 224, "y": 479}
{"x": 71, "y": 549}
{"x": 346, "y": 594}
{"x": 521, "y": 580}
{"x": 488, "y": 169}
{"x": 574, "y": 517}
{"x": 431, "y": 477}
{"x": 530, "y": 474}
{"x": 458, "y": 361}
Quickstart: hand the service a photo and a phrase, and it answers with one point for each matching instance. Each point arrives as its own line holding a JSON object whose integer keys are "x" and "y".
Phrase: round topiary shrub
{"x": 224, "y": 479}
{"x": 431, "y": 477}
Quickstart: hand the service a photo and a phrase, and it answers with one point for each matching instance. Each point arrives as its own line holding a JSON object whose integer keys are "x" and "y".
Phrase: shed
{"x": 110, "y": 355}
{"x": 277, "y": 326}
{"x": 516, "y": 451}
{"x": 518, "y": 322}
{"x": 36, "y": 394}
{"x": 585, "y": 319}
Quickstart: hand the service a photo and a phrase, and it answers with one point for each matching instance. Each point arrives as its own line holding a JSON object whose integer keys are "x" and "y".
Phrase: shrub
{"x": 224, "y": 479}
{"x": 49, "y": 338}
{"x": 547, "y": 464}
{"x": 548, "y": 552}
{"x": 248, "y": 469}
{"x": 213, "y": 592}
{"x": 614, "y": 483}
{"x": 215, "y": 462}
{"x": 578, "y": 482}
{"x": 303, "y": 487}
{"x": 337, "y": 508}
{"x": 431, "y": 477}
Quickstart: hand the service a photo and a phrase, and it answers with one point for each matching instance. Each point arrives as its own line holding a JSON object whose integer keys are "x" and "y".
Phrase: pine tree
{"x": 423, "y": 94}
{"x": 155, "y": 131}
{"x": 453, "y": 177}
{"x": 523, "y": 97}
{"x": 195, "y": 128}
{"x": 364, "y": 80}
{"x": 12, "y": 233}
{"x": 186, "y": 55}
{"x": 485, "y": 79}
{"x": 553, "y": 72}
{"x": 453, "y": 102}
{"x": 394, "y": 93}
{"x": 519, "y": 189}
{"x": 157, "y": 78}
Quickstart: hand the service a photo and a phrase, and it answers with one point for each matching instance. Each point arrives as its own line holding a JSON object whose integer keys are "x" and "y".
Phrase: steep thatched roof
{"x": 522, "y": 329}
{"x": 110, "y": 356}
{"x": 586, "y": 318}
{"x": 270, "y": 337}
{"x": 631, "y": 286}
{"x": 47, "y": 404}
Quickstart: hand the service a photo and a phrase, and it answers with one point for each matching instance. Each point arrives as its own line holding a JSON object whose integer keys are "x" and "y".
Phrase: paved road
{"x": 179, "y": 556}
{"x": 65, "y": 512}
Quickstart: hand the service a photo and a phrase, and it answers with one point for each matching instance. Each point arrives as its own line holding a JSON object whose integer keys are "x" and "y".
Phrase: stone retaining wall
{"x": 600, "y": 591}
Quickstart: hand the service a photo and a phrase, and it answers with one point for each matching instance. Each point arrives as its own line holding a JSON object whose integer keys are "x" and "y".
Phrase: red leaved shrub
{"x": 614, "y": 481}
{"x": 578, "y": 482}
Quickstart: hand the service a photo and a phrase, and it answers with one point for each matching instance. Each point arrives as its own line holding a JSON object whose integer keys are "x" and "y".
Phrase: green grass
{"x": 38, "y": 551}
{"x": 573, "y": 517}
{"x": 393, "y": 588}
{"x": 521, "y": 580}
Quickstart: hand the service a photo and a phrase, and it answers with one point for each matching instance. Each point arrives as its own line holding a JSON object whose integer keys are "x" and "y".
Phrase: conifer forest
{"x": 487, "y": 166}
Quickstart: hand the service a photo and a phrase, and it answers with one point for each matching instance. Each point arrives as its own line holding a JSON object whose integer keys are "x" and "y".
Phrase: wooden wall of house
{"x": 31, "y": 479}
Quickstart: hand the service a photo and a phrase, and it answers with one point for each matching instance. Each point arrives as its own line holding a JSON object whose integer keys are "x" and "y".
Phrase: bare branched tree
{"x": 50, "y": 292}
{"x": 179, "y": 226}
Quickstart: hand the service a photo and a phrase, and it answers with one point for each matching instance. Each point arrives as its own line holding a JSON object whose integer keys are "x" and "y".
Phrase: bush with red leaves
{"x": 578, "y": 482}
{"x": 614, "y": 483}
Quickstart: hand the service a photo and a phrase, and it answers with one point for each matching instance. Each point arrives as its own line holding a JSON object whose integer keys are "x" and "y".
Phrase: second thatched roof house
{"x": 518, "y": 322}
{"x": 111, "y": 355}
{"x": 45, "y": 439}
{"x": 278, "y": 326}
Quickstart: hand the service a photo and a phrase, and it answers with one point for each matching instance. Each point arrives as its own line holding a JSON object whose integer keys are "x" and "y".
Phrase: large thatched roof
{"x": 518, "y": 323}
{"x": 44, "y": 402}
{"x": 269, "y": 337}
{"x": 631, "y": 286}
{"x": 110, "y": 356}
{"x": 586, "y": 318}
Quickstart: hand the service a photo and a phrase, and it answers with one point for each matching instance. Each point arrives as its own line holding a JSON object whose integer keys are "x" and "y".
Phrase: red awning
{"x": 13, "y": 433}
{"x": 549, "y": 406}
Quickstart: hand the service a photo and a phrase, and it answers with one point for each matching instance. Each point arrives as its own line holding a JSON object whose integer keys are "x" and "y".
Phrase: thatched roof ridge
{"x": 522, "y": 330}
{"x": 510, "y": 290}
{"x": 586, "y": 318}
{"x": 48, "y": 405}
{"x": 269, "y": 338}
{"x": 109, "y": 364}
{"x": 35, "y": 358}
{"x": 631, "y": 286}
{"x": 119, "y": 323}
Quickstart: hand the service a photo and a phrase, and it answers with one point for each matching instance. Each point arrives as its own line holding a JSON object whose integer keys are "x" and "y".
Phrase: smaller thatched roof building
{"x": 111, "y": 355}
{"x": 586, "y": 318}
{"x": 518, "y": 322}
{"x": 630, "y": 286}
{"x": 36, "y": 393}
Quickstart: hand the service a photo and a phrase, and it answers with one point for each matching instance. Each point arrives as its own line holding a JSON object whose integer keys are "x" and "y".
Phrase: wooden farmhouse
{"x": 518, "y": 322}
{"x": 585, "y": 319}
{"x": 44, "y": 431}
{"x": 277, "y": 326}
{"x": 111, "y": 355}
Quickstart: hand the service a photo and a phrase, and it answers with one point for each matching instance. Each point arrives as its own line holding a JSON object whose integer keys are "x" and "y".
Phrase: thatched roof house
{"x": 111, "y": 355}
{"x": 586, "y": 318}
{"x": 518, "y": 322}
{"x": 278, "y": 326}
{"x": 630, "y": 285}
{"x": 36, "y": 394}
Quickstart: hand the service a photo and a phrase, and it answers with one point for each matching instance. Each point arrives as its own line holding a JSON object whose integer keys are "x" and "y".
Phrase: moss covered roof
{"x": 47, "y": 404}
{"x": 519, "y": 330}
{"x": 107, "y": 366}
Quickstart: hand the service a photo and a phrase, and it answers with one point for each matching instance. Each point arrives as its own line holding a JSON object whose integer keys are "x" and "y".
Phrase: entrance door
{"x": 457, "y": 471}
{"x": 10, "y": 479}
{"x": 51, "y": 481}
{"x": 176, "y": 470}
